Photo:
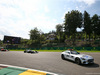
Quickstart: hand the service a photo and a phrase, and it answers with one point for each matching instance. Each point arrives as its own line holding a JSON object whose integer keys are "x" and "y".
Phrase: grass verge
{"x": 62, "y": 50}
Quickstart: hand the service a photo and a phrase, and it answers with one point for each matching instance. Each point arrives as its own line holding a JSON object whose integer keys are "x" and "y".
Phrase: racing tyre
{"x": 36, "y": 51}
{"x": 77, "y": 60}
{"x": 62, "y": 56}
{"x": 24, "y": 51}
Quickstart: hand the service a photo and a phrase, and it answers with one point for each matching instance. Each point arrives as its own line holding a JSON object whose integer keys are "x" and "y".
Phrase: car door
{"x": 67, "y": 55}
{"x": 71, "y": 56}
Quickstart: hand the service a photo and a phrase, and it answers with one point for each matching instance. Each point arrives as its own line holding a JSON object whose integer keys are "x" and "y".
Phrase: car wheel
{"x": 62, "y": 56}
{"x": 77, "y": 60}
{"x": 36, "y": 52}
{"x": 24, "y": 51}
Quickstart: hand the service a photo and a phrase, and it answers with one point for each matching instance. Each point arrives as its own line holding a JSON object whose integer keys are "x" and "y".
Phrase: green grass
{"x": 62, "y": 50}
{"x": 43, "y": 50}
{"x": 90, "y": 51}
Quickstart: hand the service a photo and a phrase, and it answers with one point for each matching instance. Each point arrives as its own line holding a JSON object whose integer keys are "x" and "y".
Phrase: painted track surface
{"x": 50, "y": 61}
{"x": 15, "y": 70}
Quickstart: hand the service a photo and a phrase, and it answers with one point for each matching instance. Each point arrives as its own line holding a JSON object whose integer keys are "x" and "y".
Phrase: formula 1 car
{"x": 77, "y": 57}
{"x": 30, "y": 51}
{"x": 2, "y": 49}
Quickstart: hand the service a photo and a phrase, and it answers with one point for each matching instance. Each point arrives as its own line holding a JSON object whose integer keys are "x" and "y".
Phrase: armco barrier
{"x": 59, "y": 48}
{"x": 88, "y": 48}
{"x": 97, "y": 48}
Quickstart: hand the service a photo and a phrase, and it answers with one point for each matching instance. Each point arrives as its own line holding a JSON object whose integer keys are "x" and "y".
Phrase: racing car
{"x": 78, "y": 58}
{"x": 2, "y": 49}
{"x": 30, "y": 51}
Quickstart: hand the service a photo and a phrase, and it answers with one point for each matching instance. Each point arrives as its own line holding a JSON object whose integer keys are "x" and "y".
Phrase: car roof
{"x": 70, "y": 50}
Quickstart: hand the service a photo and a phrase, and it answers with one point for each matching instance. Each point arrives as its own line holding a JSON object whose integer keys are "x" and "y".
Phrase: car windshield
{"x": 74, "y": 52}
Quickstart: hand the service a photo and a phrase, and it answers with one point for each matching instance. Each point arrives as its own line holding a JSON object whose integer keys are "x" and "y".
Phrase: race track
{"x": 51, "y": 62}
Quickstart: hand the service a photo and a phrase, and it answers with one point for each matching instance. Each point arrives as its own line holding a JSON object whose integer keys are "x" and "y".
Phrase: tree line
{"x": 74, "y": 20}
{"x": 67, "y": 33}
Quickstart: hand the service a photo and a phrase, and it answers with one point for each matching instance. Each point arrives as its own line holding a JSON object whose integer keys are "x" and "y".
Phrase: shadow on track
{"x": 95, "y": 65}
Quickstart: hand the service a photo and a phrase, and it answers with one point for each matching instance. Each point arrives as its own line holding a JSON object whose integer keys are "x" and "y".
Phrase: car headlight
{"x": 83, "y": 58}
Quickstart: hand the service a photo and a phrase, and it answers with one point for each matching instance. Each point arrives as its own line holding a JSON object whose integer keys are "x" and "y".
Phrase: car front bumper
{"x": 88, "y": 61}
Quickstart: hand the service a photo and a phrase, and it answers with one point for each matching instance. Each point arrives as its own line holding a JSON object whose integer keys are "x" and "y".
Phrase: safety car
{"x": 75, "y": 56}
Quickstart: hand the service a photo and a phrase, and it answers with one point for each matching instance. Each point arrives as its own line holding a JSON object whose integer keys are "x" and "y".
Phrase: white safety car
{"x": 77, "y": 57}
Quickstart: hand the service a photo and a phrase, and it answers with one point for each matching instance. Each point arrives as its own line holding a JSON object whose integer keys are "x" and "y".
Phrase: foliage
{"x": 36, "y": 38}
{"x": 1, "y": 43}
{"x": 73, "y": 20}
{"x": 95, "y": 25}
{"x": 59, "y": 28}
{"x": 67, "y": 32}
{"x": 34, "y": 34}
{"x": 60, "y": 33}
{"x": 87, "y": 24}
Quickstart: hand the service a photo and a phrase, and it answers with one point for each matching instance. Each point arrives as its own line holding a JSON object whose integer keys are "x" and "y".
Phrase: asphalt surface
{"x": 51, "y": 62}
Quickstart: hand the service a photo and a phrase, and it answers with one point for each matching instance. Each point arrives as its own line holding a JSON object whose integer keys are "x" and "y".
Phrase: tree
{"x": 59, "y": 28}
{"x": 99, "y": 27}
{"x": 87, "y": 24}
{"x": 95, "y": 25}
{"x": 24, "y": 43}
{"x": 1, "y": 43}
{"x": 59, "y": 31}
{"x": 73, "y": 20}
{"x": 35, "y": 37}
{"x": 34, "y": 34}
